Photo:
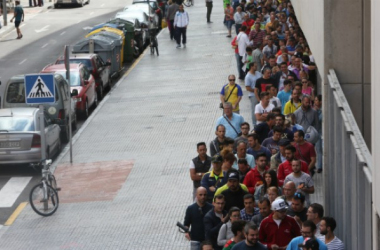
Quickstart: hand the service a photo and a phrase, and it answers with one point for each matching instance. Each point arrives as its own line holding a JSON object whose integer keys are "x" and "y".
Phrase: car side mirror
{"x": 74, "y": 92}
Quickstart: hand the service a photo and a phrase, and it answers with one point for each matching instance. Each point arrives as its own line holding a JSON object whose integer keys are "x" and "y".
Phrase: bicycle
{"x": 43, "y": 197}
{"x": 153, "y": 41}
{"x": 188, "y": 3}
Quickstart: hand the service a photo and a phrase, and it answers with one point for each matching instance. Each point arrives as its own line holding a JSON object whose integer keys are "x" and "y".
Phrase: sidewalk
{"x": 29, "y": 13}
{"x": 130, "y": 183}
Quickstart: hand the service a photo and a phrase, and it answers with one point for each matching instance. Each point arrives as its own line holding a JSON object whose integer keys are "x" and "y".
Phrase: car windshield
{"x": 86, "y": 62}
{"x": 16, "y": 92}
{"x": 131, "y": 15}
{"x": 17, "y": 123}
{"x": 74, "y": 77}
{"x": 140, "y": 6}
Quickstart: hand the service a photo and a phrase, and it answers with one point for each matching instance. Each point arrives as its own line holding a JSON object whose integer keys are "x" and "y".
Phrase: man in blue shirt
{"x": 251, "y": 232}
{"x": 19, "y": 17}
{"x": 308, "y": 230}
{"x": 231, "y": 121}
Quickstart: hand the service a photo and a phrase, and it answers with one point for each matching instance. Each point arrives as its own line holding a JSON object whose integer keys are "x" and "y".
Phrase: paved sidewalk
{"x": 130, "y": 182}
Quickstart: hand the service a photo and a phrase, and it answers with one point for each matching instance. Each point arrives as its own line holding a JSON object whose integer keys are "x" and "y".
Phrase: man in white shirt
{"x": 250, "y": 82}
{"x": 181, "y": 20}
{"x": 239, "y": 18}
{"x": 263, "y": 108}
{"x": 242, "y": 41}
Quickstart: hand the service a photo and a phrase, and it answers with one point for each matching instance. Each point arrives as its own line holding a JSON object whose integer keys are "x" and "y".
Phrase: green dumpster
{"x": 129, "y": 31}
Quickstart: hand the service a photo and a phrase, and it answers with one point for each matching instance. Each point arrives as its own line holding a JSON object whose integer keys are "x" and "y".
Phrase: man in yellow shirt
{"x": 293, "y": 104}
{"x": 231, "y": 92}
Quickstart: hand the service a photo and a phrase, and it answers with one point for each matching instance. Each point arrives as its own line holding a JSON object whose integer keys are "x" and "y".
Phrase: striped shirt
{"x": 335, "y": 244}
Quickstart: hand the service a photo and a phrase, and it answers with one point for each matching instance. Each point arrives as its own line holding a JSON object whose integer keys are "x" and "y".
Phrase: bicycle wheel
{"x": 187, "y": 3}
{"x": 39, "y": 205}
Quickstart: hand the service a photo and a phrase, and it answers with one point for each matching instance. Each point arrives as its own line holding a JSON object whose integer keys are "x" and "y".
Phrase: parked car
{"x": 147, "y": 9}
{"x": 98, "y": 68}
{"x": 143, "y": 19}
{"x": 14, "y": 96}
{"x": 60, "y": 3}
{"x": 20, "y": 137}
{"x": 82, "y": 85}
{"x": 156, "y": 7}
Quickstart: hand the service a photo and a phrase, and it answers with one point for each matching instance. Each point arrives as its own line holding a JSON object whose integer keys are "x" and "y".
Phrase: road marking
{"x": 20, "y": 64}
{"x": 102, "y": 5}
{"x": 62, "y": 33}
{"x": 79, "y": 21}
{"x": 16, "y": 213}
{"x": 91, "y": 13}
{"x": 12, "y": 190}
{"x": 43, "y": 29}
{"x": 43, "y": 46}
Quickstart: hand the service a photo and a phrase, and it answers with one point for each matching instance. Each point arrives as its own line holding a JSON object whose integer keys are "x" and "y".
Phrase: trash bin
{"x": 129, "y": 32}
{"x": 103, "y": 25}
{"x": 104, "y": 46}
{"x": 115, "y": 34}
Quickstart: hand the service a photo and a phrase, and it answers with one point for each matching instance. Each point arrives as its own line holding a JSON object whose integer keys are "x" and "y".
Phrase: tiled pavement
{"x": 153, "y": 120}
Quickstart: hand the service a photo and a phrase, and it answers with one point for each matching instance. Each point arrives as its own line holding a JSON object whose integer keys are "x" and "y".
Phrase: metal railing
{"x": 347, "y": 170}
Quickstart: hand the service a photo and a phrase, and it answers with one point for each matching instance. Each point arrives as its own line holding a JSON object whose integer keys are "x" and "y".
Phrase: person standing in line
{"x": 232, "y": 92}
{"x": 181, "y": 20}
{"x": 170, "y": 14}
{"x": 250, "y": 82}
{"x": 199, "y": 166}
{"x": 209, "y": 10}
{"x": 239, "y": 18}
{"x": 19, "y": 17}
{"x": 229, "y": 16}
{"x": 251, "y": 232}
{"x": 327, "y": 227}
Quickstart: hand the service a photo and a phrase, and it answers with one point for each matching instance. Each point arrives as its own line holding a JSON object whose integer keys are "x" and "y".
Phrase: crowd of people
{"x": 253, "y": 190}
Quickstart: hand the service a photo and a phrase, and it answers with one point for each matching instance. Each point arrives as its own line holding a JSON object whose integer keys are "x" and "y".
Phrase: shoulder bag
{"x": 226, "y": 100}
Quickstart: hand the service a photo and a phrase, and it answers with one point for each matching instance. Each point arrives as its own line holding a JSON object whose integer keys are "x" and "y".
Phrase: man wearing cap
{"x": 285, "y": 168}
{"x": 307, "y": 231}
{"x": 234, "y": 195}
{"x": 309, "y": 244}
{"x": 251, "y": 232}
{"x": 279, "y": 157}
{"x": 254, "y": 177}
{"x": 298, "y": 210}
{"x": 215, "y": 178}
{"x": 278, "y": 229}
{"x": 199, "y": 166}
{"x": 194, "y": 217}
{"x": 303, "y": 181}
{"x": 214, "y": 220}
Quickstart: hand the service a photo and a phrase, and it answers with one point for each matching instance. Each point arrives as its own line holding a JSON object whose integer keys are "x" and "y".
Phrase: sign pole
{"x": 5, "y": 12}
{"x": 67, "y": 65}
{"x": 42, "y": 134}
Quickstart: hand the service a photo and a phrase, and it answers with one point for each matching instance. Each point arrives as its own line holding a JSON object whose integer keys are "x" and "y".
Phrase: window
{"x": 16, "y": 92}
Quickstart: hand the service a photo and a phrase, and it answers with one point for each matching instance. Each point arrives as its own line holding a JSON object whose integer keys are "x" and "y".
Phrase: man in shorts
{"x": 19, "y": 17}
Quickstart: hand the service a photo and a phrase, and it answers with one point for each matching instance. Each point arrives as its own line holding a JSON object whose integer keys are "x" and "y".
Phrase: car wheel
{"x": 56, "y": 6}
{"x": 100, "y": 91}
{"x": 81, "y": 3}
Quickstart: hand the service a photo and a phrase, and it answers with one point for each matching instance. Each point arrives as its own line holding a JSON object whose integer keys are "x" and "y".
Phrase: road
{"x": 44, "y": 36}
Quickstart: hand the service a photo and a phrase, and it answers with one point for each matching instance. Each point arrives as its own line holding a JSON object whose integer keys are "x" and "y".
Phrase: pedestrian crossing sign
{"x": 39, "y": 88}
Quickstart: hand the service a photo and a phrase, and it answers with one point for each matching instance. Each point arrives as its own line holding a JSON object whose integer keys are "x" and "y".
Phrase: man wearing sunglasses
{"x": 278, "y": 229}
{"x": 231, "y": 92}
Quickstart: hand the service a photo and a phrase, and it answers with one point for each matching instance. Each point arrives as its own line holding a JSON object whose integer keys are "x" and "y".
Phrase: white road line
{"x": 43, "y": 46}
{"x": 22, "y": 61}
{"x": 102, "y": 5}
{"x": 12, "y": 190}
{"x": 79, "y": 21}
{"x": 62, "y": 33}
{"x": 91, "y": 13}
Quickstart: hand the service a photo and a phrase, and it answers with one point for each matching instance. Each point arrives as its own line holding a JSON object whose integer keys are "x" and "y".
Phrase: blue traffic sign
{"x": 39, "y": 88}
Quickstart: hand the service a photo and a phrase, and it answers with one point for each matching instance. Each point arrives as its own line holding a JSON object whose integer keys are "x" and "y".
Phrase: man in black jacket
{"x": 214, "y": 220}
{"x": 234, "y": 195}
{"x": 195, "y": 214}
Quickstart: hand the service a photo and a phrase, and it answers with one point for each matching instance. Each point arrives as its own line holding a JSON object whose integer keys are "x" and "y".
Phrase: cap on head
{"x": 284, "y": 142}
{"x": 233, "y": 176}
{"x": 216, "y": 158}
{"x": 310, "y": 243}
{"x": 278, "y": 205}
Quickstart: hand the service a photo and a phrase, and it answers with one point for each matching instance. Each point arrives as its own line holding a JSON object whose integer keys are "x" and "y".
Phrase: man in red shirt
{"x": 278, "y": 229}
{"x": 248, "y": 22}
{"x": 304, "y": 150}
{"x": 285, "y": 168}
{"x": 254, "y": 177}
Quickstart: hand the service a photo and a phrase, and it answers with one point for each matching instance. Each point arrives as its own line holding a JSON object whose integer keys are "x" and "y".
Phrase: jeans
{"x": 195, "y": 245}
{"x": 209, "y": 9}
{"x": 240, "y": 66}
{"x": 318, "y": 147}
{"x": 237, "y": 27}
{"x": 171, "y": 28}
{"x": 180, "y": 32}
{"x": 253, "y": 105}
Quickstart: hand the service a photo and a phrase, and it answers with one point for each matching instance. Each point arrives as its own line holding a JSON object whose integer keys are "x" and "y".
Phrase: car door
{"x": 103, "y": 70}
{"x": 90, "y": 87}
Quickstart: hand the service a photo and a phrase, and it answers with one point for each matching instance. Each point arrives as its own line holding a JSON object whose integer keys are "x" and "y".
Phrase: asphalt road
{"x": 45, "y": 35}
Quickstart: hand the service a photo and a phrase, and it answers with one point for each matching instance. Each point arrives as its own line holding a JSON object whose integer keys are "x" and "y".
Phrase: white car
{"x": 20, "y": 138}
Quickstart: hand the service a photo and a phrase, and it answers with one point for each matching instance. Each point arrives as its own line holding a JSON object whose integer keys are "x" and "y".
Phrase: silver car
{"x": 20, "y": 138}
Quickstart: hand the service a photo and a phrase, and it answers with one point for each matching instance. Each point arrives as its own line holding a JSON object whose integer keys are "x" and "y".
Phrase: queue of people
{"x": 253, "y": 190}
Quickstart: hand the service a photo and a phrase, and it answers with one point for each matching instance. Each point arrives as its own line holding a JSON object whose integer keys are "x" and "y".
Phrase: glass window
{"x": 74, "y": 77}
{"x": 17, "y": 123}
{"x": 16, "y": 93}
{"x": 86, "y": 62}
